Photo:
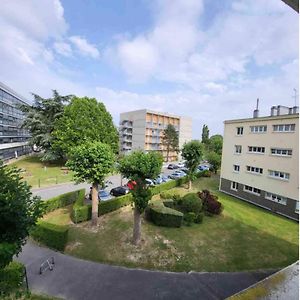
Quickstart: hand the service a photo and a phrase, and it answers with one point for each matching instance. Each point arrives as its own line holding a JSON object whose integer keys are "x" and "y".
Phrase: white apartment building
{"x": 143, "y": 129}
{"x": 260, "y": 160}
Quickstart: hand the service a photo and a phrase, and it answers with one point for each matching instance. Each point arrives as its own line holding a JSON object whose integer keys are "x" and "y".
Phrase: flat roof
{"x": 153, "y": 112}
{"x": 13, "y": 93}
{"x": 267, "y": 118}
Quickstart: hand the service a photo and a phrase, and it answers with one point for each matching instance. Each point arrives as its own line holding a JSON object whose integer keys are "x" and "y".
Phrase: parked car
{"x": 185, "y": 170}
{"x": 172, "y": 166}
{"x": 103, "y": 195}
{"x": 203, "y": 167}
{"x": 181, "y": 164}
{"x": 158, "y": 179}
{"x": 149, "y": 182}
{"x": 177, "y": 175}
{"x": 119, "y": 191}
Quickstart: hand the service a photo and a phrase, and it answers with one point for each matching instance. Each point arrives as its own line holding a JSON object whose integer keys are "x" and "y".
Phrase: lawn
{"x": 38, "y": 173}
{"x": 244, "y": 237}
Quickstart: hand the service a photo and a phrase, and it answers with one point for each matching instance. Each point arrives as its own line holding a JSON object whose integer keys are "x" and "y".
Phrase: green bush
{"x": 114, "y": 204}
{"x": 11, "y": 277}
{"x": 52, "y": 235}
{"x": 164, "y": 216}
{"x": 62, "y": 200}
{"x": 163, "y": 187}
{"x": 80, "y": 211}
{"x": 199, "y": 218}
{"x": 189, "y": 218}
{"x": 168, "y": 203}
{"x": 190, "y": 203}
{"x": 168, "y": 194}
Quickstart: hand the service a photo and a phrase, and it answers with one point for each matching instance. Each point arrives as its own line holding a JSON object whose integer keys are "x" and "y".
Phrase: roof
{"x": 266, "y": 118}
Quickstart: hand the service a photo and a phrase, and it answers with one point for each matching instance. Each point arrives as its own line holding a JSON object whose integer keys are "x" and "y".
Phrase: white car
{"x": 181, "y": 164}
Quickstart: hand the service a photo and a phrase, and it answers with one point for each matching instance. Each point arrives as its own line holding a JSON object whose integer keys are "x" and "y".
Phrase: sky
{"x": 209, "y": 60}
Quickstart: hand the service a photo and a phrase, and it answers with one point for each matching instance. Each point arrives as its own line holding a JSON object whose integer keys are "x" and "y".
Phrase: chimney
{"x": 282, "y": 110}
{"x": 273, "y": 111}
{"x": 295, "y": 109}
{"x": 256, "y": 111}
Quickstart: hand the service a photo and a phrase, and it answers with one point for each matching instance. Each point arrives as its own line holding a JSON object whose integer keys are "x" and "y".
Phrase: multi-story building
{"x": 143, "y": 129}
{"x": 13, "y": 139}
{"x": 260, "y": 160}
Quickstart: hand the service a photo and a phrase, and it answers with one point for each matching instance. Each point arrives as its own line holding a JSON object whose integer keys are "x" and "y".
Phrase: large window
{"x": 284, "y": 128}
{"x": 236, "y": 168}
{"x": 279, "y": 175}
{"x": 257, "y": 150}
{"x": 258, "y": 129}
{"x": 234, "y": 185}
{"x": 237, "y": 149}
{"x": 254, "y": 170}
{"x": 239, "y": 130}
{"x": 275, "y": 198}
{"x": 281, "y": 152}
{"x": 252, "y": 190}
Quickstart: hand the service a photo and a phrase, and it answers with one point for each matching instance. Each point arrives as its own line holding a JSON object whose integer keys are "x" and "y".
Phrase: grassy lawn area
{"x": 48, "y": 174}
{"x": 244, "y": 237}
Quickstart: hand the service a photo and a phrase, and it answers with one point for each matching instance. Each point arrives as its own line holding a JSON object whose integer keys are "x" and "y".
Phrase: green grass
{"x": 59, "y": 216}
{"x": 35, "y": 171}
{"x": 244, "y": 237}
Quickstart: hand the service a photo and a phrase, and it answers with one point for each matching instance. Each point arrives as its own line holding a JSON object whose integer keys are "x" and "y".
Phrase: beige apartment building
{"x": 143, "y": 129}
{"x": 260, "y": 160}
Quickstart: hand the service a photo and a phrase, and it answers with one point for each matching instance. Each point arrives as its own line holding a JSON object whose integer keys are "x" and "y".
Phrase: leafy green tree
{"x": 138, "y": 166}
{"x": 215, "y": 143}
{"x": 19, "y": 212}
{"x": 215, "y": 160}
{"x": 39, "y": 121}
{"x": 170, "y": 139}
{"x": 205, "y": 134}
{"x": 192, "y": 153}
{"x": 92, "y": 162}
{"x": 85, "y": 119}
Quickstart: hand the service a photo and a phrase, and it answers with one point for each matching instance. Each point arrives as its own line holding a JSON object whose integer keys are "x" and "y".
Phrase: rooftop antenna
{"x": 295, "y": 96}
{"x": 256, "y": 111}
{"x": 257, "y": 102}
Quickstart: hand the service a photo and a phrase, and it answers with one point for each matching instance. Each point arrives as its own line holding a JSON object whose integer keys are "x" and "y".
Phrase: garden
{"x": 178, "y": 231}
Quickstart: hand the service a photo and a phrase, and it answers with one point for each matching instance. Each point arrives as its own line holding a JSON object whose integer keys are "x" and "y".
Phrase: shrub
{"x": 168, "y": 203}
{"x": 52, "y": 235}
{"x": 163, "y": 187}
{"x": 114, "y": 204}
{"x": 164, "y": 216}
{"x": 189, "y": 218}
{"x": 190, "y": 203}
{"x": 11, "y": 277}
{"x": 199, "y": 218}
{"x": 81, "y": 213}
{"x": 169, "y": 194}
{"x": 62, "y": 200}
{"x": 210, "y": 203}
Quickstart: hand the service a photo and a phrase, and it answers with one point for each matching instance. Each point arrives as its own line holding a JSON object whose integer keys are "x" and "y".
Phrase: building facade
{"x": 143, "y": 129}
{"x": 260, "y": 160}
{"x": 13, "y": 139}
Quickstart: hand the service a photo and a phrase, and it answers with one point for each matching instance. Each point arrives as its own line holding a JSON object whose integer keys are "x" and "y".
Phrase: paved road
{"x": 73, "y": 278}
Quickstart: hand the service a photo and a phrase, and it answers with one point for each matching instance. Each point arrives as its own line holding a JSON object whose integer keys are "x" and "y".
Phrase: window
{"x": 284, "y": 128}
{"x": 297, "y": 207}
{"x": 236, "y": 168}
{"x": 234, "y": 185}
{"x": 238, "y": 149}
{"x": 251, "y": 190}
{"x": 255, "y": 149}
{"x": 281, "y": 152}
{"x": 239, "y": 130}
{"x": 279, "y": 175}
{"x": 275, "y": 198}
{"x": 254, "y": 170}
{"x": 258, "y": 129}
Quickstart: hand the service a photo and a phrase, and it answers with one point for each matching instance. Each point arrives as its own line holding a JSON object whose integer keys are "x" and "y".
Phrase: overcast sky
{"x": 206, "y": 59}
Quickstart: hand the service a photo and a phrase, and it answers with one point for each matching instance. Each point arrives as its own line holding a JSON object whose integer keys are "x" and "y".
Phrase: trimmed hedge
{"x": 62, "y": 200}
{"x": 164, "y": 216}
{"x": 80, "y": 211}
{"x": 114, "y": 204}
{"x": 52, "y": 235}
{"x": 11, "y": 277}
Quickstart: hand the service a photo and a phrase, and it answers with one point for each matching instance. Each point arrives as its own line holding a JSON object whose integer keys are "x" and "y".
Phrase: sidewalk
{"x": 74, "y": 278}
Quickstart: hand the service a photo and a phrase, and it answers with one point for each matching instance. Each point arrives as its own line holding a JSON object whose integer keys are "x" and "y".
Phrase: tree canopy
{"x": 85, "y": 119}
{"x": 170, "y": 139}
{"x": 205, "y": 134}
{"x": 19, "y": 212}
{"x": 40, "y": 119}
{"x": 215, "y": 143}
{"x": 215, "y": 160}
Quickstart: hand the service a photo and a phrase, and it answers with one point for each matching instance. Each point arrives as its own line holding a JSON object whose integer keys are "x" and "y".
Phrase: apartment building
{"x": 260, "y": 160}
{"x": 143, "y": 129}
{"x": 13, "y": 139}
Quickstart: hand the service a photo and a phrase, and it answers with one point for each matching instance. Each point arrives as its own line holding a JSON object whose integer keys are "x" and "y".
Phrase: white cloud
{"x": 84, "y": 47}
{"x": 63, "y": 48}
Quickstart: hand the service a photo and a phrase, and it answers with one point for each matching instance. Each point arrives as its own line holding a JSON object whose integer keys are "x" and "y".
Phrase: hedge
{"x": 52, "y": 235}
{"x": 11, "y": 277}
{"x": 62, "y": 200}
{"x": 114, "y": 204}
{"x": 164, "y": 216}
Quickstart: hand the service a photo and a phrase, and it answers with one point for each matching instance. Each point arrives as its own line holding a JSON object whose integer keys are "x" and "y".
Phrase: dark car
{"x": 119, "y": 191}
{"x": 172, "y": 166}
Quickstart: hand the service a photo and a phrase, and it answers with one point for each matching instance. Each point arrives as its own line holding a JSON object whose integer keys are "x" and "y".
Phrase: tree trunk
{"x": 136, "y": 227}
{"x": 168, "y": 151}
{"x": 94, "y": 204}
{"x": 190, "y": 184}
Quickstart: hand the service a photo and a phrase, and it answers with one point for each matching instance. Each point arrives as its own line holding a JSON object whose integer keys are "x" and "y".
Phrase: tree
{"x": 214, "y": 160}
{"x": 170, "y": 139}
{"x": 138, "y": 166}
{"x": 40, "y": 119}
{"x": 205, "y": 134}
{"x": 19, "y": 212}
{"x": 85, "y": 119}
{"x": 192, "y": 152}
{"x": 215, "y": 143}
{"x": 92, "y": 162}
